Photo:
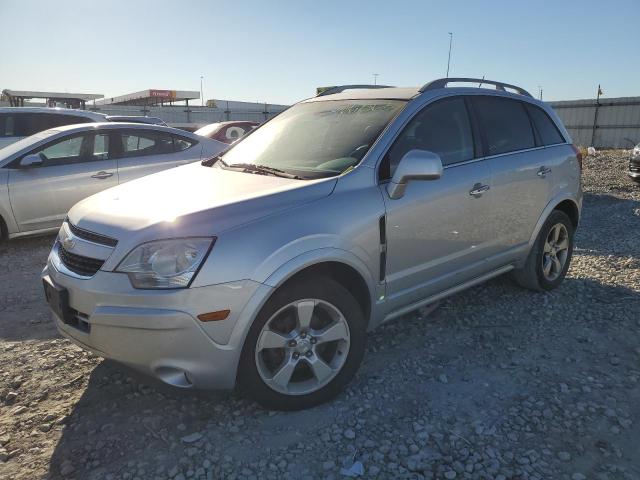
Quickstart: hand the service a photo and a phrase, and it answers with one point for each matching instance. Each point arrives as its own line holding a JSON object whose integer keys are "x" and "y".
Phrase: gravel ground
{"x": 498, "y": 383}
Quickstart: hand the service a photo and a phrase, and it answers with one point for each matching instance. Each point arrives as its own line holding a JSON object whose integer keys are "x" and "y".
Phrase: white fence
{"x": 608, "y": 123}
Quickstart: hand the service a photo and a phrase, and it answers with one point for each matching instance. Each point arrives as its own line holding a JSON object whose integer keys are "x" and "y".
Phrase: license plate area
{"x": 58, "y": 299}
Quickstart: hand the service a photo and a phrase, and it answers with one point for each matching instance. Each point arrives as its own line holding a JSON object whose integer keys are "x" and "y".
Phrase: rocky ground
{"x": 498, "y": 383}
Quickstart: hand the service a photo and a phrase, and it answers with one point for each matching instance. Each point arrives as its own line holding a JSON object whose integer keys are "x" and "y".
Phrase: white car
{"x": 44, "y": 175}
{"x": 20, "y": 122}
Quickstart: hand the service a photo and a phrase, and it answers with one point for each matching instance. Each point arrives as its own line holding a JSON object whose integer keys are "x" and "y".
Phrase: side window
{"x": 182, "y": 143}
{"x": 544, "y": 125}
{"x": 57, "y": 120}
{"x": 7, "y": 125}
{"x": 505, "y": 123}
{"x": 141, "y": 143}
{"x": 101, "y": 147}
{"x": 65, "y": 151}
{"x": 442, "y": 127}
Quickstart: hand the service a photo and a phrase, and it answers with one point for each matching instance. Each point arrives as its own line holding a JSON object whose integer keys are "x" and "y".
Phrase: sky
{"x": 280, "y": 51}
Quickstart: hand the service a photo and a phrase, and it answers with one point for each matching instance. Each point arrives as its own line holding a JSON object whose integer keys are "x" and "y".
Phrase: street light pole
{"x": 375, "y": 78}
{"x": 449, "y": 59}
{"x": 201, "y": 92}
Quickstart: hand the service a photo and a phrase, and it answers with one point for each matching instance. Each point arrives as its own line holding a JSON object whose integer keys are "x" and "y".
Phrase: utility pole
{"x": 201, "y": 92}
{"x": 375, "y": 78}
{"x": 595, "y": 116}
{"x": 449, "y": 59}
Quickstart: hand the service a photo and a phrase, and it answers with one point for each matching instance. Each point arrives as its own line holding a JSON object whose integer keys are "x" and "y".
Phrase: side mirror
{"x": 415, "y": 165}
{"x": 31, "y": 160}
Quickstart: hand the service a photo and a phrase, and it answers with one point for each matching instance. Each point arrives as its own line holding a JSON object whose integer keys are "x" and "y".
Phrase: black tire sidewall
{"x": 555, "y": 218}
{"x": 324, "y": 288}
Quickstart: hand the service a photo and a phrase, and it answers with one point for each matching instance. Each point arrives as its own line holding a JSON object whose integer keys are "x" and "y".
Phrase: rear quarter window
{"x": 549, "y": 133}
{"x": 505, "y": 123}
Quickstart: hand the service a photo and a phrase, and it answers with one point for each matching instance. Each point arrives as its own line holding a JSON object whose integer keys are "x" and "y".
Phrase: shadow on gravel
{"x": 123, "y": 417}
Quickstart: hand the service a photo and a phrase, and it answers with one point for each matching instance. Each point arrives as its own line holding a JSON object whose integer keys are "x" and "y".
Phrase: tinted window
{"x": 442, "y": 128}
{"x": 7, "y": 125}
{"x": 181, "y": 143}
{"x": 506, "y": 124}
{"x": 140, "y": 143}
{"x": 547, "y": 130}
{"x": 101, "y": 147}
{"x": 57, "y": 120}
{"x": 64, "y": 151}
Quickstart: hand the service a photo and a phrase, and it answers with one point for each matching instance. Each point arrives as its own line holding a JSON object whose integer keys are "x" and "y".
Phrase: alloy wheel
{"x": 556, "y": 250}
{"x": 302, "y": 347}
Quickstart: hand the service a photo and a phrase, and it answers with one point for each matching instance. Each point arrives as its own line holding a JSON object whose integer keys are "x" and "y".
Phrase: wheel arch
{"x": 341, "y": 265}
{"x": 571, "y": 209}
{"x": 568, "y": 205}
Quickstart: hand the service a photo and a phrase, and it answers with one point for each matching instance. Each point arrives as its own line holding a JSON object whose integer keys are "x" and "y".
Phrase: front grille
{"x": 79, "y": 264}
{"x": 91, "y": 236}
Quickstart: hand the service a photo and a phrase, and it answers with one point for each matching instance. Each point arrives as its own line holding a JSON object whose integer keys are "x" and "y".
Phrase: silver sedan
{"x": 44, "y": 175}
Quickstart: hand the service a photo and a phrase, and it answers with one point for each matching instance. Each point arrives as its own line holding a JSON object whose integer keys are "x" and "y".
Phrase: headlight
{"x": 165, "y": 263}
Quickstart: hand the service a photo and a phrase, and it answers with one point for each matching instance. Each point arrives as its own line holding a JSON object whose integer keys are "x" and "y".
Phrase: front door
{"x": 73, "y": 168}
{"x": 437, "y": 232}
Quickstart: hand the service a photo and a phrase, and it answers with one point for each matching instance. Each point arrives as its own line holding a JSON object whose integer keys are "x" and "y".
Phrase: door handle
{"x": 102, "y": 175}
{"x": 478, "y": 190}
{"x": 543, "y": 172}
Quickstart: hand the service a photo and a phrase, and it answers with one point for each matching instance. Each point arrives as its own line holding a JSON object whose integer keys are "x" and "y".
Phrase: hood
{"x": 191, "y": 200}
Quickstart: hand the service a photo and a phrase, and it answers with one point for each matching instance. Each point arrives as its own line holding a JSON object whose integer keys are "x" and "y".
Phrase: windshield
{"x": 316, "y": 139}
{"x": 24, "y": 143}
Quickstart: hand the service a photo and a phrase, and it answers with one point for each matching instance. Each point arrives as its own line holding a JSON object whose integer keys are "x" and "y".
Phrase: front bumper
{"x": 157, "y": 332}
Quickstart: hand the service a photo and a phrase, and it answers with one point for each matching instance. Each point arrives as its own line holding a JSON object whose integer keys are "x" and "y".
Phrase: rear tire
{"x": 549, "y": 258}
{"x": 304, "y": 346}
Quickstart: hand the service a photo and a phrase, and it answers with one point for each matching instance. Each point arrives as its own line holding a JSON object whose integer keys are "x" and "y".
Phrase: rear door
{"x": 517, "y": 161}
{"x": 437, "y": 232}
{"x": 73, "y": 168}
{"x": 144, "y": 151}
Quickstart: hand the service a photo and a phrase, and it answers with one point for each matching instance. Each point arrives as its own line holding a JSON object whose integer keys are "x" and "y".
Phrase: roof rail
{"x": 442, "y": 83}
{"x": 342, "y": 88}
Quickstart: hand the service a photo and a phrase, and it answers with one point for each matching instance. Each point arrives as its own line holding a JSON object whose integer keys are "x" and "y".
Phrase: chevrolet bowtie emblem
{"x": 68, "y": 243}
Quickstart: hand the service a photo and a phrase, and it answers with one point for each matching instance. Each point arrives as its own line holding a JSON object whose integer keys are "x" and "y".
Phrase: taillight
{"x": 578, "y": 153}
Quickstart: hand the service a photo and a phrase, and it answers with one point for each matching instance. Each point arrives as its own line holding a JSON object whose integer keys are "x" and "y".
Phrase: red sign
{"x": 162, "y": 93}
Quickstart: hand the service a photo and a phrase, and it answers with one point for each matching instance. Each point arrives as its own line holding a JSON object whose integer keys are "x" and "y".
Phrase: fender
{"x": 317, "y": 256}
{"x": 281, "y": 275}
{"x": 555, "y": 201}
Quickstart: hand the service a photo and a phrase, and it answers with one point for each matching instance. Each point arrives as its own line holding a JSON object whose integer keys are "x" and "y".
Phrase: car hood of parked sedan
{"x": 191, "y": 200}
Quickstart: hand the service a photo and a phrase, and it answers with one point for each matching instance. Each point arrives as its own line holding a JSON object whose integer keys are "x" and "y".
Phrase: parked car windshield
{"x": 316, "y": 139}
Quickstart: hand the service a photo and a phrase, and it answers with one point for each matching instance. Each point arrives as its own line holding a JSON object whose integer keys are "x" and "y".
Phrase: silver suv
{"x": 265, "y": 267}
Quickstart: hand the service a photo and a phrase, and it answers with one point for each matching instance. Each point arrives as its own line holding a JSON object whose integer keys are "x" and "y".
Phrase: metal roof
{"x": 151, "y": 96}
{"x": 52, "y": 95}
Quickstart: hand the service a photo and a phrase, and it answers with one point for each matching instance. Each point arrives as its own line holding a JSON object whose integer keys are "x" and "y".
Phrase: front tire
{"x": 305, "y": 345}
{"x": 549, "y": 258}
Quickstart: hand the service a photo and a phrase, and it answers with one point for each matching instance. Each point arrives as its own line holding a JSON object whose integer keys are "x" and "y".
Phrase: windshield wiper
{"x": 207, "y": 162}
{"x": 263, "y": 169}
